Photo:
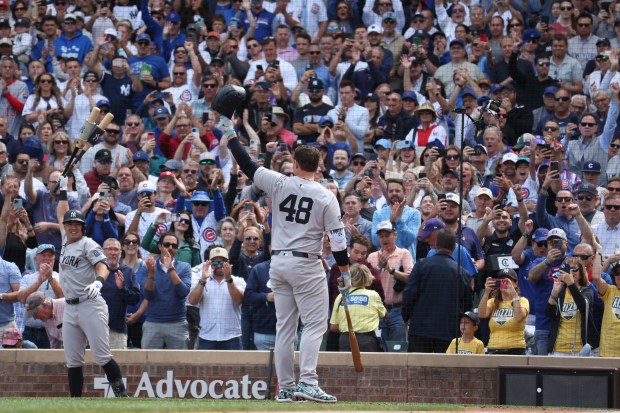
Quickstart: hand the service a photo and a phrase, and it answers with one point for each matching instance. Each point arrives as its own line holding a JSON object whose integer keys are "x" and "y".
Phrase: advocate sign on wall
{"x": 169, "y": 387}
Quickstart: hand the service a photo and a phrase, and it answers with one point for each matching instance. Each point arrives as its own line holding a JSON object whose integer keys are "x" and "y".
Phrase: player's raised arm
{"x": 63, "y": 203}
{"x": 225, "y": 103}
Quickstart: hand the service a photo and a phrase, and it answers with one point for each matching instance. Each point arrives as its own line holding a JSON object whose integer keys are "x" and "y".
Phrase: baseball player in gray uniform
{"x": 303, "y": 210}
{"x": 83, "y": 270}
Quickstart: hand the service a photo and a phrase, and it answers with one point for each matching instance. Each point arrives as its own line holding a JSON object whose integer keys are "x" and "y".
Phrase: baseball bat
{"x": 355, "y": 348}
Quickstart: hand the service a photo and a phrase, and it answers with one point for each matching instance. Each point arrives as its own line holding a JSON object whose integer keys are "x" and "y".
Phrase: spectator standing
{"x": 220, "y": 294}
{"x": 366, "y": 309}
{"x": 507, "y": 313}
{"x": 432, "y": 318}
{"x": 13, "y": 95}
{"x": 258, "y": 294}
{"x": 166, "y": 285}
{"x": 72, "y": 42}
{"x": 119, "y": 291}
{"x": 394, "y": 265}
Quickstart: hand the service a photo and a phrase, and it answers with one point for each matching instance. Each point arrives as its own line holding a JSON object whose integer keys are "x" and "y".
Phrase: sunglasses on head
{"x": 170, "y": 245}
{"x": 130, "y": 242}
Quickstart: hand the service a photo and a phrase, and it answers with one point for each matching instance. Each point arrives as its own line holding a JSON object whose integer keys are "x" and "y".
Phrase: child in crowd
{"x": 468, "y": 344}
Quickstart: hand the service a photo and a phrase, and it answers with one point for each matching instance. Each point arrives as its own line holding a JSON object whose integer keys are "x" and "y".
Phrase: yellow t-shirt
{"x": 473, "y": 347}
{"x": 610, "y": 330}
{"x": 569, "y": 332}
{"x": 506, "y": 332}
{"x": 365, "y": 307}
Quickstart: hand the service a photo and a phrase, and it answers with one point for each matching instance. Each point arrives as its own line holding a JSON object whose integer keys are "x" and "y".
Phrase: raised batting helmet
{"x": 73, "y": 215}
{"x": 228, "y": 99}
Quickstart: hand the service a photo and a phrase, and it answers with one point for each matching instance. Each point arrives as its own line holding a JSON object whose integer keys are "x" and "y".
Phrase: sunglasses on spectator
{"x": 588, "y": 124}
{"x": 45, "y": 81}
{"x": 190, "y": 171}
{"x": 334, "y": 27}
{"x": 130, "y": 242}
{"x": 453, "y": 157}
{"x": 612, "y": 189}
{"x": 614, "y": 207}
{"x": 200, "y": 203}
{"x": 22, "y": 161}
{"x": 61, "y": 142}
{"x": 170, "y": 245}
{"x": 586, "y": 197}
{"x": 209, "y": 85}
{"x": 251, "y": 238}
{"x": 541, "y": 244}
{"x": 180, "y": 51}
{"x": 179, "y": 73}
{"x": 132, "y": 124}
{"x": 112, "y": 131}
{"x": 551, "y": 128}
{"x": 562, "y": 98}
{"x": 503, "y": 115}
{"x": 582, "y": 257}
{"x": 614, "y": 146}
{"x": 583, "y": 24}
{"x": 564, "y": 199}
{"x": 216, "y": 263}
{"x": 407, "y": 179}
{"x": 541, "y": 64}
{"x": 359, "y": 163}
{"x": 207, "y": 162}
{"x": 602, "y": 57}
{"x": 185, "y": 221}
{"x": 568, "y": 8}
{"x": 389, "y": 21}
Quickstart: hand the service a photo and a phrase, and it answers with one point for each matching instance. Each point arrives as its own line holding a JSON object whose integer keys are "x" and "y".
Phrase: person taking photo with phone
{"x": 507, "y": 313}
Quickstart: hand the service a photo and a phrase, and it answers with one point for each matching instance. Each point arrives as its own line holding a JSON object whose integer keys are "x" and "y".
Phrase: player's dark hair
{"x": 188, "y": 235}
{"x": 167, "y": 234}
{"x": 446, "y": 239}
{"x": 307, "y": 157}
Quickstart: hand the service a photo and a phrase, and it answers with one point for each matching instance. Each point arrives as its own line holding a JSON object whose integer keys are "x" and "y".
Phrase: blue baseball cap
{"x": 200, "y": 196}
{"x": 388, "y": 15}
{"x": 409, "y": 95}
{"x": 550, "y": 90}
{"x": 325, "y": 119}
{"x": 469, "y": 91}
{"x": 143, "y": 36}
{"x": 141, "y": 156}
{"x": 384, "y": 143}
{"x": 457, "y": 41}
{"x": 540, "y": 234}
{"x": 103, "y": 102}
{"x": 430, "y": 226}
{"x": 530, "y": 34}
{"x": 592, "y": 166}
{"x": 173, "y": 17}
{"x": 495, "y": 88}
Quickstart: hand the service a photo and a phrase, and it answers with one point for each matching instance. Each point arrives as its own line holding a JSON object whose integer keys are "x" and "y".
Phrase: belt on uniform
{"x": 294, "y": 254}
{"x": 74, "y": 301}
{"x": 395, "y": 305}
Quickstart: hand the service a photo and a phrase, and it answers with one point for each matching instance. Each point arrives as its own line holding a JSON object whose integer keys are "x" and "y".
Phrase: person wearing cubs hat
{"x": 507, "y": 325}
{"x": 83, "y": 271}
{"x": 588, "y": 198}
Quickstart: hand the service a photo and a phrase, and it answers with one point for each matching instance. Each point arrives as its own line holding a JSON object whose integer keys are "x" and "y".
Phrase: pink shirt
{"x": 400, "y": 257}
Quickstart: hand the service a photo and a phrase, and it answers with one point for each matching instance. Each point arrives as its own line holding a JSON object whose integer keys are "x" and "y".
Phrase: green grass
{"x": 101, "y": 405}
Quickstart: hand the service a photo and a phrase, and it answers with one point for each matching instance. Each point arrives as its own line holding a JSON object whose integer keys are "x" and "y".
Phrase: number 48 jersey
{"x": 302, "y": 211}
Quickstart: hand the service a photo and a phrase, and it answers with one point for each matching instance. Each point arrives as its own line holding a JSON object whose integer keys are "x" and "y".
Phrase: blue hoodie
{"x": 76, "y": 47}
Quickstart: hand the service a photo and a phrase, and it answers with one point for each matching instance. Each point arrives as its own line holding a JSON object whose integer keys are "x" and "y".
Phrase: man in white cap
{"x": 482, "y": 200}
{"x": 219, "y": 292}
{"x": 394, "y": 265}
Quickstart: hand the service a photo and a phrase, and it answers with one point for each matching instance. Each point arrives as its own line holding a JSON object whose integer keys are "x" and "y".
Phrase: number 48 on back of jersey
{"x": 297, "y": 212}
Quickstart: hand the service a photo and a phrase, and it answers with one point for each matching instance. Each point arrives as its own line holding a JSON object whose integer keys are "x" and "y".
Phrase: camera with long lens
{"x": 492, "y": 107}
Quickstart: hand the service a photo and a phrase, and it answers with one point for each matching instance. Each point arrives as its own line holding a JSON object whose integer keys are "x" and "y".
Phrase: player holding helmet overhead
{"x": 303, "y": 210}
{"x": 83, "y": 270}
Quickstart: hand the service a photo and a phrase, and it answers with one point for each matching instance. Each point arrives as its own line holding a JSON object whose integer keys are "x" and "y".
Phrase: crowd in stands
{"x": 474, "y": 141}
